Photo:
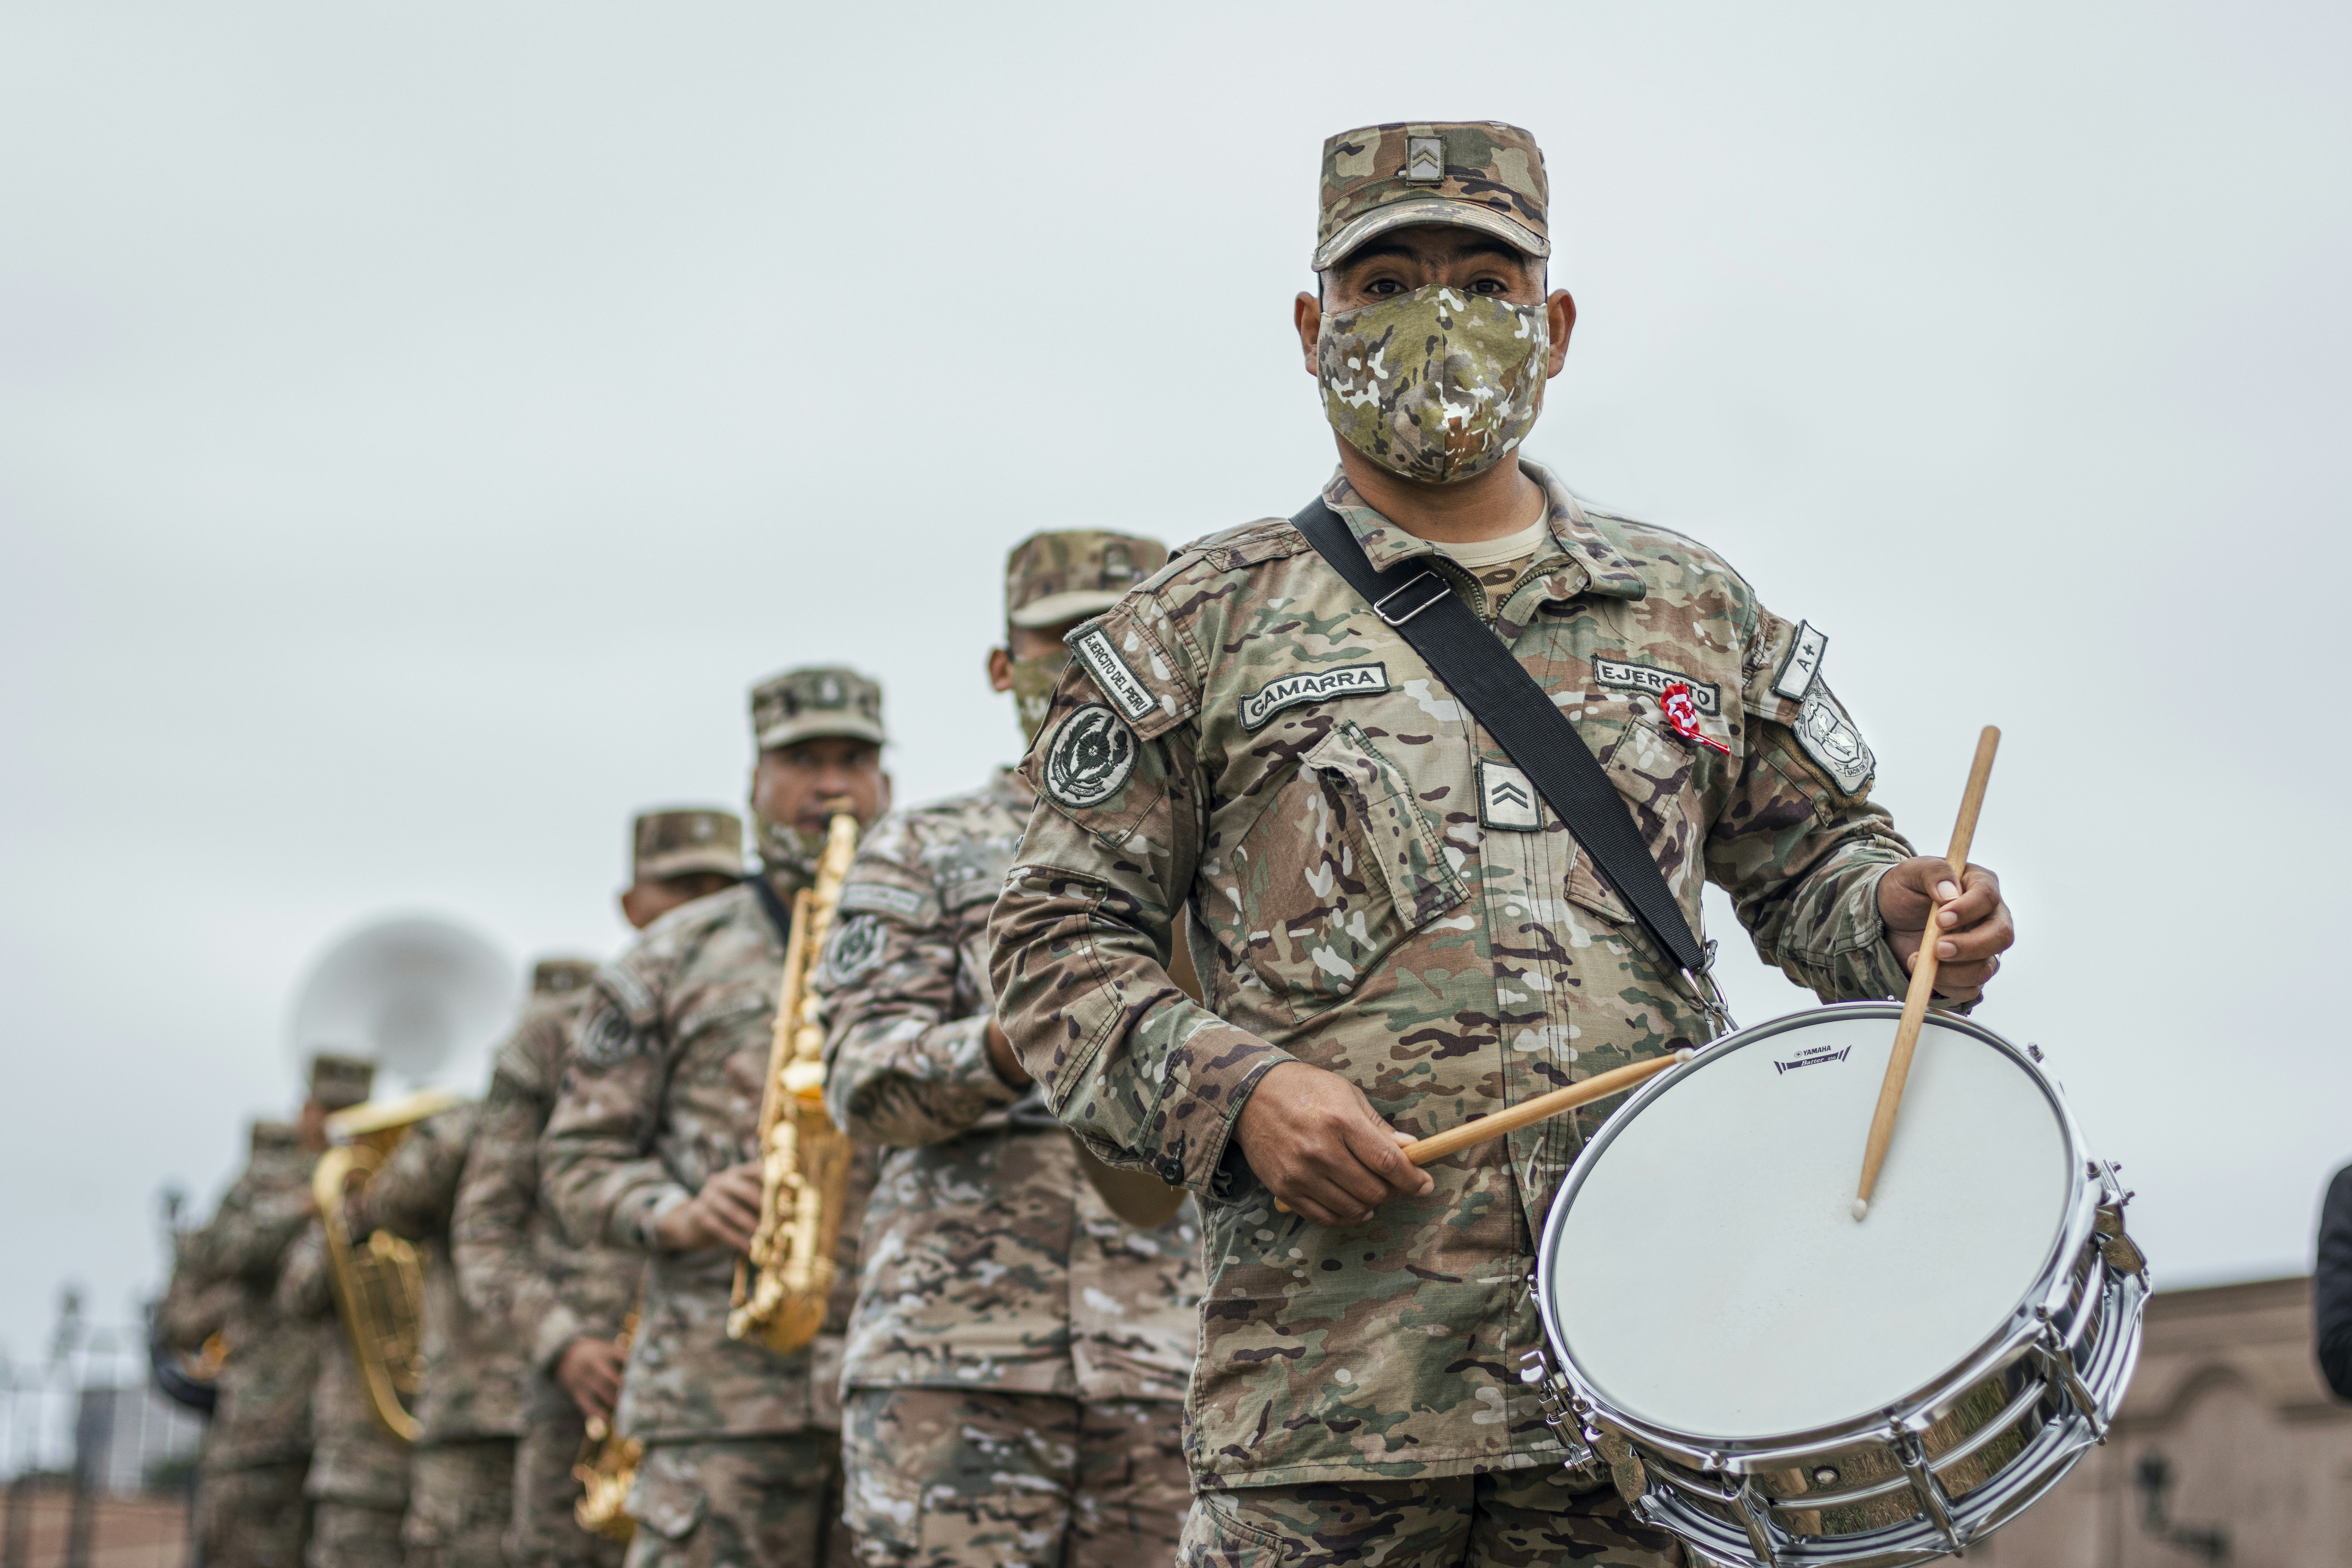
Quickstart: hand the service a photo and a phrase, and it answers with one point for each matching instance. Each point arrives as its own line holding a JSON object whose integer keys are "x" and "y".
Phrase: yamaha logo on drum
{"x": 1812, "y": 1058}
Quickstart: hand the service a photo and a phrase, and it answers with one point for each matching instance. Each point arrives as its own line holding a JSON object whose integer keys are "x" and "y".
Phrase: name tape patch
{"x": 904, "y": 902}
{"x": 1311, "y": 685}
{"x": 1508, "y": 799}
{"x": 1628, "y": 677}
{"x": 1829, "y": 737}
{"x": 1796, "y": 676}
{"x": 1112, "y": 673}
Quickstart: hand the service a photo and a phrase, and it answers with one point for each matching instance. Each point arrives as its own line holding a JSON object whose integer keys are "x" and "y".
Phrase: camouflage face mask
{"x": 785, "y": 850}
{"x": 1034, "y": 681}
{"x": 1436, "y": 384}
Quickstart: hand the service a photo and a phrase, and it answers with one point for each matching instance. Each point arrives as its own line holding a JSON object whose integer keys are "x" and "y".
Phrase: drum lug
{"x": 2058, "y": 1367}
{"x": 1536, "y": 1372}
{"x": 1927, "y": 1488}
{"x": 1755, "y": 1518}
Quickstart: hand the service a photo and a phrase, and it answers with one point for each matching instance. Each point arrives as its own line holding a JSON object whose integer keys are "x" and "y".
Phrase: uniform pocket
{"x": 667, "y": 1498}
{"x": 1341, "y": 865}
{"x": 1656, "y": 772}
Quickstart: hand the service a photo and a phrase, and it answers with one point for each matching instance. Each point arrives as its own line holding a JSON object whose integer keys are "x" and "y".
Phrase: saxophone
{"x": 607, "y": 1468}
{"x": 784, "y": 1280}
{"x": 378, "y": 1279}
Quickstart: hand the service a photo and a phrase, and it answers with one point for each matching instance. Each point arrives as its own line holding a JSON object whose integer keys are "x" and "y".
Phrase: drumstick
{"x": 1599, "y": 1086}
{"x": 1923, "y": 978}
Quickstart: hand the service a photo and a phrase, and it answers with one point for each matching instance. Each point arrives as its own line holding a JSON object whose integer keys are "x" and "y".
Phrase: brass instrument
{"x": 784, "y": 1280}
{"x": 607, "y": 1468}
{"x": 379, "y": 1281}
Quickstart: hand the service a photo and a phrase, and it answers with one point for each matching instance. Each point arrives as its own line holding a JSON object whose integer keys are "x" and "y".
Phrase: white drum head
{"x": 1707, "y": 1277}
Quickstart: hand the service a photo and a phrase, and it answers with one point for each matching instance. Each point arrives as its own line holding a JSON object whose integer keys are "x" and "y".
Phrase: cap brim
{"x": 1052, "y": 610}
{"x": 688, "y": 863}
{"x": 836, "y": 727}
{"x": 1429, "y": 209}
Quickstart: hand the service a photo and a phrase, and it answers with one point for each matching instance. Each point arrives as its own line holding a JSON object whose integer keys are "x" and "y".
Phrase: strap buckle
{"x": 1432, "y": 578}
{"x": 1711, "y": 999}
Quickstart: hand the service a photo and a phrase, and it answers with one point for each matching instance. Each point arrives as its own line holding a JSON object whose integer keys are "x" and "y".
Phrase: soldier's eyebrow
{"x": 1475, "y": 244}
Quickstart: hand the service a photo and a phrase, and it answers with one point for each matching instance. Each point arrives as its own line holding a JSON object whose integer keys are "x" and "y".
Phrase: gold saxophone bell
{"x": 783, "y": 1281}
{"x": 379, "y": 1281}
{"x": 607, "y": 1468}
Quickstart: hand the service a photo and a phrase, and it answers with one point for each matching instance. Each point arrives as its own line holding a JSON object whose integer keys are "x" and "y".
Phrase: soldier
{"x": 1396, "y": 933}
{"x": 564, "y": 1301}
{"x": 249, "y": 1485}
{"x": 1018, "y": 1355}
{"x": 358, "y": 1481}
{"x": 651, "y": 1148}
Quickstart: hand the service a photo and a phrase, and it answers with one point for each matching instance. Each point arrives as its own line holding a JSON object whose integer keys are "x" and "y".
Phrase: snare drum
{"x": 1794, "y": 1386}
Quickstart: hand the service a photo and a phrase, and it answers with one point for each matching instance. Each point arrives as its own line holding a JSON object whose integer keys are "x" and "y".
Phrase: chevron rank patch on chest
{"x": 1506, "y": 798}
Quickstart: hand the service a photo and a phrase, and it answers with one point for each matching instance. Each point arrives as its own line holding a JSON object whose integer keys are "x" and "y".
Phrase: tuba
{"x": 607, "y": 1468}
{"x": 379, "y": 1279}
{"x": 784, "y": 1283}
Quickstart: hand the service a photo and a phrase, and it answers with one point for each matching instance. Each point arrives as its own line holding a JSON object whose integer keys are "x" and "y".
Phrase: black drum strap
{"x": 1481, "y": 673}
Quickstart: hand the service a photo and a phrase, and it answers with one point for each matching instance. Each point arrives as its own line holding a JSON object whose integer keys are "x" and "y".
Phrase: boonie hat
{"x": 1068, "y": 575}
{"x": 1477, "y": 174}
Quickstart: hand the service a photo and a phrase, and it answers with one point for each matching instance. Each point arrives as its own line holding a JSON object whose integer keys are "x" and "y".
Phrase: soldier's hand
{"x": 1000, "y": 1056}
{"x": 589, "y": 1370}
{"x": 1315, "y": 1140}
{"x": 1972, "y": 929}
{"x": 723, "y": 1214}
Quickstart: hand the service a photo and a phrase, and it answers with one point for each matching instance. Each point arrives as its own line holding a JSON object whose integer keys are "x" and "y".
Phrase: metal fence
{"x": 98, "y": 1468}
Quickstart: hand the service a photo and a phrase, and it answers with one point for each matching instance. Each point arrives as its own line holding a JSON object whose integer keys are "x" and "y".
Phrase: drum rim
{"x": 2009, "y": 1340}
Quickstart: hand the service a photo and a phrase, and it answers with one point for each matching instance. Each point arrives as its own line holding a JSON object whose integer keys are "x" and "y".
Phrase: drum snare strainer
{"x": 1797, "y": 1387}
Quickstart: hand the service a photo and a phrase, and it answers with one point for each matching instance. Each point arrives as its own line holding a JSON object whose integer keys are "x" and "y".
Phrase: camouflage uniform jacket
{"x": 662, "y": 1092}
{"x": 261, "y": 1415}
{"x": 1376, "y": 893}
{"x": 516, "y": 1264}
{"x": 353, "y": 1458}
{"x": 472, "y": 1386}
{"x": 991, "y": 1262}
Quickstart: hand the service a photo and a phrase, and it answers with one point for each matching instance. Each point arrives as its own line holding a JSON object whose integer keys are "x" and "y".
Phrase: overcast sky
{"x": 419, "y": 425}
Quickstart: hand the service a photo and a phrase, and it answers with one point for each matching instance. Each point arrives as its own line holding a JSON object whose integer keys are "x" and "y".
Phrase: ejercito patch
{"x": 1627, "y": 676}
{"x": 1829, "y": 737}
{"x": 1311, "y": 685}
{"x": 1092, "y": 754}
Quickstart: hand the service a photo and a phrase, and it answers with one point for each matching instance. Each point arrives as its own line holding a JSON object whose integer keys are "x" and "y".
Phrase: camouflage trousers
{"x": 543, "y": 1534}
{"x": 1503, "y": 1519}
{"x": 739, "y": 1502}
{"x": 460, "y": 1502}
{"x": 944, "y": 1478}
{"x": 353, "y": 1535}
{"x": 253, "y": 1517}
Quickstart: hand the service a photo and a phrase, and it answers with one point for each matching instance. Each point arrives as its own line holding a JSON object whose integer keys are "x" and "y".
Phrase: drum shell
{"x": 1994, "y": 1433}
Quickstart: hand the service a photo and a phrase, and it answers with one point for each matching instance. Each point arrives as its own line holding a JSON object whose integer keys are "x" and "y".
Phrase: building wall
{"x": 2229, "y": 1393}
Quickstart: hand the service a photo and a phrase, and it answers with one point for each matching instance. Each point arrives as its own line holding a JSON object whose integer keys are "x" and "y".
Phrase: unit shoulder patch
{"x": 1311, "y": 685}
{"x": 1092, "y": 754}
{"x": 1112, "y": 673}
{"x": 1829, "y": 737}
{"x": 1627, "y": 676}
{"x": 854, "y": 947}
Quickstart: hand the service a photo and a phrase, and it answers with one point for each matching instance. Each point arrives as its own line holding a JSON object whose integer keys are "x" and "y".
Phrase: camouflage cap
{"x": 1050, "y": 578}
{"x": 275, "y": 1137}
{"x": 1479, "y": 173}
{"x": 561, "y": 977}
{"x": 815, "y": 702}
{"x": 337, "y": 1081}
{"x": 679, "y": 841}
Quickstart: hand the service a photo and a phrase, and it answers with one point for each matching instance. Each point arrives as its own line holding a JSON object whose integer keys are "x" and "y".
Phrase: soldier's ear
{"x": 1307, "y": 315}
{"x": 883, "y": 809}
{"x": 1000, "y": 669}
